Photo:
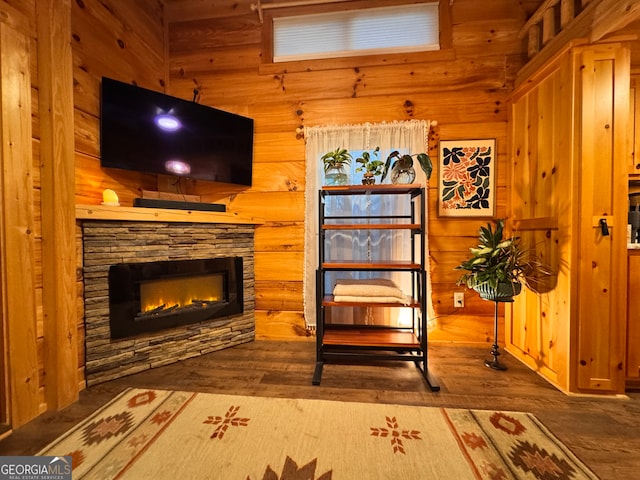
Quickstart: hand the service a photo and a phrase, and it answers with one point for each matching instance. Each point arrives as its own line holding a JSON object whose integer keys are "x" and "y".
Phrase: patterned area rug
{"x": 144, "y": 434}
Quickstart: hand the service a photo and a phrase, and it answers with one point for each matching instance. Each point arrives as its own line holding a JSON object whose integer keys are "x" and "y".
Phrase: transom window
{"x": 397, "y": 29}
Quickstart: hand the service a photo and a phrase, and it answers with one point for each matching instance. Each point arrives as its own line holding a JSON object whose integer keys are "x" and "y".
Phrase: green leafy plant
{"x": 499, "y": 260}
{"x": 406, "y": 161}
{"x": 495, "y": 259}
{"x": 339, "y": 157}
{"x": 370, "y": 165}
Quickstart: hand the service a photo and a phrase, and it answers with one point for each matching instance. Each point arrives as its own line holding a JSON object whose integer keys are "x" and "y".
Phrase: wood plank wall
{"x": 57, "y": 174}
{"x": 20, "y": 367}
{"x": 216, "y": 47}
{"x": 124, "y": 41}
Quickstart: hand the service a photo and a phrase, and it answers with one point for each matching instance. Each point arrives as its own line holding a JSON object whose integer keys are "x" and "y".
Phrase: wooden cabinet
{"x": 633, "y": 319}
{"x": 368, "y": 235}
{"x": 570, "y": 159}
{"x": 634, "y": 126}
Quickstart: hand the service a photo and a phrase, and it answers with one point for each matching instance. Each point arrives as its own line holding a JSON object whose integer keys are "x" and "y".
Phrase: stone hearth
{"x": 106, "y": 243}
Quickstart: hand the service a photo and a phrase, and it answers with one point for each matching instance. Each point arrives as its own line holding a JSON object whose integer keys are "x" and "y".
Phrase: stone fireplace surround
{"x": 106, "y": 242}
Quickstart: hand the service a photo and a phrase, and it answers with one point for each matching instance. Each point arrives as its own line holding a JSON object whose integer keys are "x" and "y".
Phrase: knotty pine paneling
{"x": 20, "y": 374}
{"x": 214, "y": 32}
{"x": 279, "y": 176}
{"x": 270, "y": 206}
{"x": 20, "y": 16}
{"x": 471, "y": 37}
{"x": 186, "y": 10}
{"x": 468, "y": 12}
{"x": 462, "y": 328}
{"x": 193, "y": 63}
{"x": 542, "y": 135}
{"x": 218, "y": 52}
{"x": 35, "y": 116}
{"x": 481, "y": 81}
{"x": 277, "y": 147}
{"x": 442, "y": 296}
{"x": 107, "y": 40}
{"x": 278, "y": 296}
{"x": 126, "y": 42}
{"x": 91, "y": 180}
{"x": 283, "y": 325}
{"x": 633, "y": 316}
{"x": 280, "y": 237}
{"x": 275, "y": 266}
{"x": 87, "y": 133}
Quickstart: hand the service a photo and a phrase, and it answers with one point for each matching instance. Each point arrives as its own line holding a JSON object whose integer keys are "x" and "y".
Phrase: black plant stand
{"x": 495, "y": 351}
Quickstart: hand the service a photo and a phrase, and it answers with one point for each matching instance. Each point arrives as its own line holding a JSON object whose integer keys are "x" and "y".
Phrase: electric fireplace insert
{"x": 153, "y": 296}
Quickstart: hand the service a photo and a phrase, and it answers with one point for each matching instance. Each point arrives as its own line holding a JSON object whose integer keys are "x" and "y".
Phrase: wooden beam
{"x": 613, "y": 15}
{"x": 548, "y": 26}
{"x": 17, "y": 264}
{"x": 567, "y": 12}
{"x": 533, "y": 44}
{"x": 55, "y": 81}
{"x": 538, "y": 16}
{"x": 597, "y": 19}
{"x": 607, "y": 16}
{"x": 576, "y": 33}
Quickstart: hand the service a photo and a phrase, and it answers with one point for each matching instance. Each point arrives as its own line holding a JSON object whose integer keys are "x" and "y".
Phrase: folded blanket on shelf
{"x": 377, "y": 290}
{"x": 364, "y": 299}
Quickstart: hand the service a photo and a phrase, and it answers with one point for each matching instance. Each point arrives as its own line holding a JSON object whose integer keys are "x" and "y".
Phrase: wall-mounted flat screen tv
{"x": 151, "y": 132}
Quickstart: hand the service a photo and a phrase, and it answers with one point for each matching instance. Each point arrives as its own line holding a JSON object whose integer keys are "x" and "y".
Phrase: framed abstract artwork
{"x": 466, "y": 184}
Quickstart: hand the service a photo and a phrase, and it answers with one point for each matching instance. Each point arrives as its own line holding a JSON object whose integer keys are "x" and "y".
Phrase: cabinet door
{"x": 633, "y": 318}
{"x": 602, "y": 179}
{"x": 634, "y": 125}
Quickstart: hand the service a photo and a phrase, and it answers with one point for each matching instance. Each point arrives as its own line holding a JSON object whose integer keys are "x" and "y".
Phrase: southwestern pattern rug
{"x": 144, "y": 434}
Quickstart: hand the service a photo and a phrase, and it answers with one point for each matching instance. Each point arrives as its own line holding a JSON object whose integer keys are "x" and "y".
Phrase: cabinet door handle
{"x": 604, "y": 227}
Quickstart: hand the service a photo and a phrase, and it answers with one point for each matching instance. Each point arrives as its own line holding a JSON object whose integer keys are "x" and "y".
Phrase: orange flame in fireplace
{"x": 180, "y": 292}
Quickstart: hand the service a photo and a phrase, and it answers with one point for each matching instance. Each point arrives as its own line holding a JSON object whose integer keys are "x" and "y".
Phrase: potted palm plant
{"x": 402, "y": 170}
{"x": 499, "y": 266}
{"x": 334, "y": 166}
{"x": 370, "y": 165}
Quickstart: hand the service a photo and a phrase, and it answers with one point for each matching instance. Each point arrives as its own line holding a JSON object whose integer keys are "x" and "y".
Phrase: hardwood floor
{"x": 603, "y": 432}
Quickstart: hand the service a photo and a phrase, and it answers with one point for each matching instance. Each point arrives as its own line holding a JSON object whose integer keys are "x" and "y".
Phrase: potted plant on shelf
{"x": 402, "y": 170}
{"x": 334, "y": 166}
{"x": 372, "y": 167}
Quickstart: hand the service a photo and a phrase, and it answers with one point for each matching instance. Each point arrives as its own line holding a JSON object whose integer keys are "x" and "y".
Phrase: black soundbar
{"x": 179, "y": 205}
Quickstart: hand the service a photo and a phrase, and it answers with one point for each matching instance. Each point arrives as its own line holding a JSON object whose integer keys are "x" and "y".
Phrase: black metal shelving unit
{"x": 345, "y": 343}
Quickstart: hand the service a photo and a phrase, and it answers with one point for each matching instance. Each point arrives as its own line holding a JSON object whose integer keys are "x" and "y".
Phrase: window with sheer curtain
{"x": 406, "y": 137}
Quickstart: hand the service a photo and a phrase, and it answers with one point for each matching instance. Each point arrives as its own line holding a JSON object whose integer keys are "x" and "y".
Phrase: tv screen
{"x": 151, "y": 132}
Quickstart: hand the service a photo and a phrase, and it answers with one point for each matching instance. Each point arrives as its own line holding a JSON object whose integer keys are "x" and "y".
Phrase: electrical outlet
{"x": 458, "y": 299}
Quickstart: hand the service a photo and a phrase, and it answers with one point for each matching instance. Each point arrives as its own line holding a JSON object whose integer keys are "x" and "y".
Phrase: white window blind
{"x": 402, "y": 28}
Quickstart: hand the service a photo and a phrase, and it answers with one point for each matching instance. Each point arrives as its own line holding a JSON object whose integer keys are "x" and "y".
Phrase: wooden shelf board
{"x": 380, "y": 265}
{"x": 141, "y": 214}
{"x": 372, "y": 226}
{"x": 329, "y": 302}
{"x": 369, "y": 337}
{"x": 373, "y": 189}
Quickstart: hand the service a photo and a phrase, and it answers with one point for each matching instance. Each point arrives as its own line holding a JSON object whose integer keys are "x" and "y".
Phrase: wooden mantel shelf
{"x": 141, "y": 214}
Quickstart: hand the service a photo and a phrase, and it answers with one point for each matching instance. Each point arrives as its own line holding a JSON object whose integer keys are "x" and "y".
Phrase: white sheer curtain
{"x": 406, "y": 137}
